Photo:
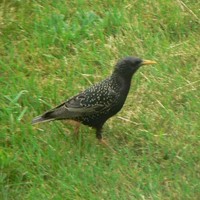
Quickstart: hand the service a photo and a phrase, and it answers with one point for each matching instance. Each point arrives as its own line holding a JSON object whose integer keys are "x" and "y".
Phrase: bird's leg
{"x": 101, "y": 140}
{"x": 77, "y": 126}
{"x": 99, "y": 133}
{"x": 100, "y": 137}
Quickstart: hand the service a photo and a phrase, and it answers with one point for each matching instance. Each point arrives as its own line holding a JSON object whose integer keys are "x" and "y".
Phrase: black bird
{"x": 95, "y": 105}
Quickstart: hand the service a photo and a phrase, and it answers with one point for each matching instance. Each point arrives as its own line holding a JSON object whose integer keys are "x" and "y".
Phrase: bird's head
{"x": 129, "y": 65}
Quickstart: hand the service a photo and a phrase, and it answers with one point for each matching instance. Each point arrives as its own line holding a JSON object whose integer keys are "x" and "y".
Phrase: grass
{"x": 50, "y": 50}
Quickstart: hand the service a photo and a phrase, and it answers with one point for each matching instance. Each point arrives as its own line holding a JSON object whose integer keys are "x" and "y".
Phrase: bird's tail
{"x": 42, "y": 118}
{"x": 54, "y": 114}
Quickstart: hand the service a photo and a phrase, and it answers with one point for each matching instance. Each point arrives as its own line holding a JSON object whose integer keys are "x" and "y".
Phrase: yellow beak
{"x": 148, "y": 62}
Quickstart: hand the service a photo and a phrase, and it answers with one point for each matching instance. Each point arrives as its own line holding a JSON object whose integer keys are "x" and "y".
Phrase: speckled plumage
{"x": 95, "y": 105}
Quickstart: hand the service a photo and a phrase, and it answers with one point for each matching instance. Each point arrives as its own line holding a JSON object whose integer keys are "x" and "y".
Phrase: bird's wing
{"x": 77, "y": 105}
{"x": 86, "y": 104}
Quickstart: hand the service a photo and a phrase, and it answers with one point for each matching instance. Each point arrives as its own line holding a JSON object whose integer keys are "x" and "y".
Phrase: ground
{"x": 50, "y": 50}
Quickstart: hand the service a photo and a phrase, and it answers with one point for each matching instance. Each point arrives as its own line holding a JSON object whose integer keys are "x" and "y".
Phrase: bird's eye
{"x": 138, "y": 62}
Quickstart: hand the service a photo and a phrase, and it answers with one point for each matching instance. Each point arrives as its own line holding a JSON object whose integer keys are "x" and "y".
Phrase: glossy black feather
{"x": 101, "y": 101}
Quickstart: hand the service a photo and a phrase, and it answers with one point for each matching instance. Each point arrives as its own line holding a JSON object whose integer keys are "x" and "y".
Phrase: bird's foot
{"x": 106, "y": 144}
{"x": 76, "y": 126}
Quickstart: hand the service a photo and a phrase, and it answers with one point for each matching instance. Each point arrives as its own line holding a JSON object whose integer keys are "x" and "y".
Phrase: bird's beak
{"x": 148, "y": 62}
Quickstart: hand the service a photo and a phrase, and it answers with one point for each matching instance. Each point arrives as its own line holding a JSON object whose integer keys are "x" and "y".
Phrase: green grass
{"x": 50, "y": 50}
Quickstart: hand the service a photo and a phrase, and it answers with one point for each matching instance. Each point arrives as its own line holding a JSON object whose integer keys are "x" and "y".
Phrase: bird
{"x": 95, "y": 105}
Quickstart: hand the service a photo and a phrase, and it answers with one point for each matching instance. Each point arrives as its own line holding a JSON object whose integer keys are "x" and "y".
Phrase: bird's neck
{"x": 123, "y": 82}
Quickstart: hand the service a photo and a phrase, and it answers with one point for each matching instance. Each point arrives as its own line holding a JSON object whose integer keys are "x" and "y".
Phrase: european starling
{"x": 95, "y": 105}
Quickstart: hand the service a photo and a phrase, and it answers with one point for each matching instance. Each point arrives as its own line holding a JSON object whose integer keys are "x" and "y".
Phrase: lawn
{"x": 51, "y": 50}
